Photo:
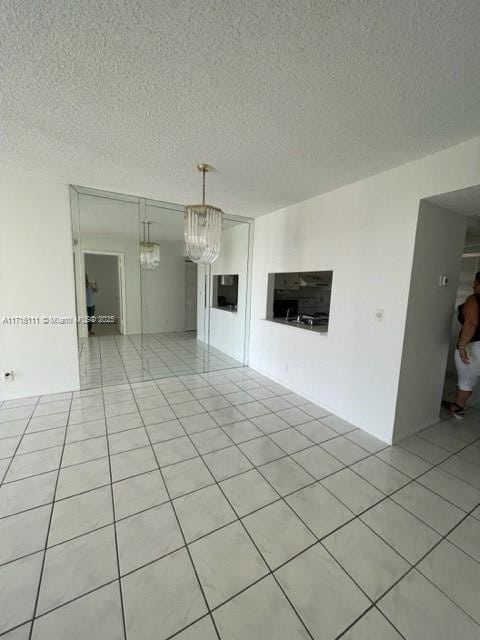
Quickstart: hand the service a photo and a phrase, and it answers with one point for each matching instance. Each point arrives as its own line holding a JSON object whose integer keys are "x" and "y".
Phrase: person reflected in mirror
{"x": 467, "y": 353}
{"x": 91, "y": 289}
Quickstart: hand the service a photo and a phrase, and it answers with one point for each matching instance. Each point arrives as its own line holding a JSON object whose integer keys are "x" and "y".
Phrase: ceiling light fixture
{"x": 203, "y": 228}
{"x": 149, "y": 251}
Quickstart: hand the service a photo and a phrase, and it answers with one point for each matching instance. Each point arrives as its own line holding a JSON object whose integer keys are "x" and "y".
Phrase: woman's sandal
{"x": 455, "y": 409}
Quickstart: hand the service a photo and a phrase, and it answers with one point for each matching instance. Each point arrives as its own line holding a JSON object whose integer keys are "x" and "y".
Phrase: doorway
{"x": 104, "y": 272}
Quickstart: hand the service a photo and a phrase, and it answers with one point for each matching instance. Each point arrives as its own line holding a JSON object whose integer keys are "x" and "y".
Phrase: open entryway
{"x": 104, "y": 292}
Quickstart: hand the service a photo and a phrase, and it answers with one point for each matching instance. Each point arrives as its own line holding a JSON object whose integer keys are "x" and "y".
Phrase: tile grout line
{"x": 42, "y": 568}
{"x": 117, "y": 554}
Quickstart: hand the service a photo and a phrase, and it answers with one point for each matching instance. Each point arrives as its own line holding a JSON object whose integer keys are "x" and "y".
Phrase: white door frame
{"x": 121, "y": 281}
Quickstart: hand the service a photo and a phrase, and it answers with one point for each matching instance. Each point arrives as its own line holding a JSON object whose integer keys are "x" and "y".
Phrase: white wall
{"x": 104, "y": 270}
{"x": 439, "y": 243}
{"x": 36, "y": 279}
{"x": 365, "y": 232}
{"x": 112, "y": 225}
{"x": 163, "y": 289}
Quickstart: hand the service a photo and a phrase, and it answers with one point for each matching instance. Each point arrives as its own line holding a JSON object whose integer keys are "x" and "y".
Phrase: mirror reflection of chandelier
{"x": 149, "y": 251}
{"x": 203, "y": 228}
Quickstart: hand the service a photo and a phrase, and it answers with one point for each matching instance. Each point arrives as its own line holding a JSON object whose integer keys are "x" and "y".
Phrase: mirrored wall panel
{"x": 145, "y": 310}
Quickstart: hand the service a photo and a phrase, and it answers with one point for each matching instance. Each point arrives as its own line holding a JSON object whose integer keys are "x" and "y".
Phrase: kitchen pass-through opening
{"x": 300, "y": 299}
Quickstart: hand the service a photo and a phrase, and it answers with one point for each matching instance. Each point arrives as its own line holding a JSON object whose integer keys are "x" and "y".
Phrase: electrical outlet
{"x": 8, "y": 376}
{"x": 379, "y": 315}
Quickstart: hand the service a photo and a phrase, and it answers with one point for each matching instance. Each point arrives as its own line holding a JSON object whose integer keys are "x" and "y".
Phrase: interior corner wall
{"x": 365, "y": 232}
{"x": 439, "y": 242}
{"x": 36, "y": 281}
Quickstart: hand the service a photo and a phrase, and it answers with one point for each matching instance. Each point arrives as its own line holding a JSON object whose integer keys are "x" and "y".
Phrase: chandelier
{"x": 203, "y": 228}
{"x": 149, "y": 251}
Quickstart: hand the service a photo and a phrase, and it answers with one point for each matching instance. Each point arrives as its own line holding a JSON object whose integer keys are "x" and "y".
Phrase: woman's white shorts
{"x": 468, "y": 374}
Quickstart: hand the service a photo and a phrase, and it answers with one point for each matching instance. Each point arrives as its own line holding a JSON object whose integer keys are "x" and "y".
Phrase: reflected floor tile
{"x": 96, "y": 616}
{"x": 428, "y": 507}
{"x": 183, "y": 477}
{"x": 372, "y": 626}
{"x": 401, "y": 529}
{"x": 366, "y": 558}
{"x": 18, "y": 590}
{"x": 452, "y": 571}
{"x": 248, "y": 492}
{"x": 79, "y": 514}
{"x": 13, "y": 428}
{"x": 227, "y": 562}
{"x": 147, "y": 536}
{"x": 260, "y": 612}
{"x": 285, "y": 475}
{"x": 162, "y": 598}
{"x": 242, "y": 431}
{"x": 23, "y": 533}
{"x": 467, "y": 537}
{"x": 203, "y": 511}
{"x": 327, "y": 600}
{"x": 419, "y": 610}
{"x": 76, "y": 567}
{"x": 278, "y": 533}
{"x": 25, "y": 494}
{"x": 138, "y": 493}
{"x": 319, "y": 509}
{"x": 352, "y": 490}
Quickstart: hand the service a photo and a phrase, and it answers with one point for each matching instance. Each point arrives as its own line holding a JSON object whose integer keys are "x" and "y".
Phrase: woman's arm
{"x": 470, "y": 313}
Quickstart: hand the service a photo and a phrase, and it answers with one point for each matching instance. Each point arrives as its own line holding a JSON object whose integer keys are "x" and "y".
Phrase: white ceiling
{"x": 287, "y": 99}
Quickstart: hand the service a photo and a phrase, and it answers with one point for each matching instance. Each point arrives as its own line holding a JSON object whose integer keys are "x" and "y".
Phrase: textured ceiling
{"x": 287, "y": 99}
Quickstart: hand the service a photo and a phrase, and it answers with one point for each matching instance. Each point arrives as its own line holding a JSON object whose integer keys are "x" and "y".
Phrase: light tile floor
{"x": 114, "y": 359}
{"x": 221, "y": 505}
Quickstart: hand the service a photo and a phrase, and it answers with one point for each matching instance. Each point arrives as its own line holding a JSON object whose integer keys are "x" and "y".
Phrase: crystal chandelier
{"x": 203, "y": 228}
{"x": 149, "y": 251}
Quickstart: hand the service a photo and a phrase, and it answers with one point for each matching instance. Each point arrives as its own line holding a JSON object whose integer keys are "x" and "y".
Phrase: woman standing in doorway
{"x": 91, "y": 289}
{"x": 467, "y": 354}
